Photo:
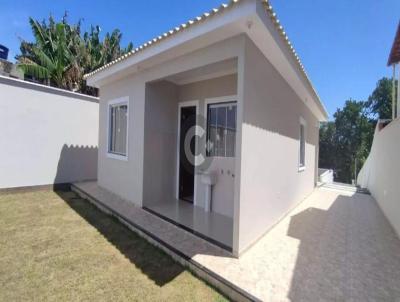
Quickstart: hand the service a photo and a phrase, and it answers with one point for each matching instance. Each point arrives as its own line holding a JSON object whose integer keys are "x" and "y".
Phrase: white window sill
{"x": 117, "y": 156}
{"x": 302, "y": 168}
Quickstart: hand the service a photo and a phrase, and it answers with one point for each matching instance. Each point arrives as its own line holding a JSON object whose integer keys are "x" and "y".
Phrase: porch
{"x": 189, "y": 132}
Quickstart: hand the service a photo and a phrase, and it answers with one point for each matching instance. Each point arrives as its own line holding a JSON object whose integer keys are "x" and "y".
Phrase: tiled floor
{"x": 210, "y": 224}
{"x": 335, "y": 246}
{"x": 188, "y": 244}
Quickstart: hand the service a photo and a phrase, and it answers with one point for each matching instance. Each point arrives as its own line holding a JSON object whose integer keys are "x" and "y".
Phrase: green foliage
{"x": 326, "y": 143}
{"x": 61, "y": 54}
{"x": 345, "y": 142}
{"x": 379, "y": 103}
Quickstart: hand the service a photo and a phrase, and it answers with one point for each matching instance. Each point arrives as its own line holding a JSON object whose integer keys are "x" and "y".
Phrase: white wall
{"x": 271, "y": 183}
{"x": 325, "y": 176}
{"x": 47, "y": 135}
{"x": 381, "y": 172}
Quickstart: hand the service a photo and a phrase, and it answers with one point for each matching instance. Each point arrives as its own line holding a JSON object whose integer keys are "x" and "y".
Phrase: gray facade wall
{"x": 160, "y": 137}
{"x": 125, "y": 178}
{"x": 200, "y": 91}
{"x": 217, "y": 87}
{"x": 160, "y": 142}
{"x": 271, "y": 183}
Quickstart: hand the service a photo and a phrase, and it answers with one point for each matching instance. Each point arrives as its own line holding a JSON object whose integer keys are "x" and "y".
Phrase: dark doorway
{"x": 186, "y": 167}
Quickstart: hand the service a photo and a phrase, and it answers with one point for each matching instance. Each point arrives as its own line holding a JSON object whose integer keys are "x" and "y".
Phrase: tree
{"x": 327, "y": 145}
{"x": 61, "y": 55}
{"x": 51, "y": 58}
{"x": 345, "y": 143}
{"x": 379, "y": 103}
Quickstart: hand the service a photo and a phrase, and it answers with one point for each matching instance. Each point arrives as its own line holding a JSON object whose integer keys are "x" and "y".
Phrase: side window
{"x": 221, "y": 129}
{"x": 302, "y": 145}
{"x": 118, "y": 127}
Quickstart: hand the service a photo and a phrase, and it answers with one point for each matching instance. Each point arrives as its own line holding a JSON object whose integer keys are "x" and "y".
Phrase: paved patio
{"x": 335, "y": 246}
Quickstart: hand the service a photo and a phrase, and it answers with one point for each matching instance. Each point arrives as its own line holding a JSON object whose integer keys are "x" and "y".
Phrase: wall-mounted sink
{"x": 209, "y": 178}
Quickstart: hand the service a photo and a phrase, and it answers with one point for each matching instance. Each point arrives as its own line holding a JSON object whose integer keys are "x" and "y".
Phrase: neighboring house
{"x": 7, "y": 68}
{"x": 232, "y": 79}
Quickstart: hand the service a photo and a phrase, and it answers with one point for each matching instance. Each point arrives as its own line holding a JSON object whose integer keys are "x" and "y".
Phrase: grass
{"x": 58, "y": 247}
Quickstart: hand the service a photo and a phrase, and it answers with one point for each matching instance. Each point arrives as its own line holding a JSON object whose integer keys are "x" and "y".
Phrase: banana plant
{"x": 61, "y": 55}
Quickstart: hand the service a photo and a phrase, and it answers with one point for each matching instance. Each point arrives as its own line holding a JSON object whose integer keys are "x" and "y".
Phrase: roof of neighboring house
{"x": 394, "y": 56}
{"x": 202, "y": 19}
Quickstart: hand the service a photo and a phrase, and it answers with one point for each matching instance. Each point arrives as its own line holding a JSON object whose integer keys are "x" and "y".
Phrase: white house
{"x": 212, "y": 125}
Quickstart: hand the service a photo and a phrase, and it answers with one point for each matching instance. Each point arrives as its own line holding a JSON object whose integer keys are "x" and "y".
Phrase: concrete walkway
{"x": 335, "y": 246}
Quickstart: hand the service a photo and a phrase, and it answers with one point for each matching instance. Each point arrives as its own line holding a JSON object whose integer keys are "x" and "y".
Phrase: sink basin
{"x": 209, "y": 178}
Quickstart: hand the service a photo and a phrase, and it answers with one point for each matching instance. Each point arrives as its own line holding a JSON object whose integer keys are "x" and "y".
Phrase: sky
{"x": 343, "y": 44}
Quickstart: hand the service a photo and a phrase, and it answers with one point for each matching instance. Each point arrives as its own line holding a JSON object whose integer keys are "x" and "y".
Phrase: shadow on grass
{"x": 153, "y": 262}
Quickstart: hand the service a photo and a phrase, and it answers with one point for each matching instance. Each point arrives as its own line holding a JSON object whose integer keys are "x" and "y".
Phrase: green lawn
{"x": 58, "y": 247}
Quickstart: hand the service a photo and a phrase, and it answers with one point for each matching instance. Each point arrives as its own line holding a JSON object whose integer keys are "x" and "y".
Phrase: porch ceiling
{"x": 206, "y": 72}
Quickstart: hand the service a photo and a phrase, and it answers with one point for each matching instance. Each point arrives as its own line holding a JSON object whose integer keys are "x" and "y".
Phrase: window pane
{"x": 118, "y": 129}
{"x": 231, "y": 131}
{"x": 221, "y": 133}
{"x": 121, "y": 136}
{"x": 211, "y": 131}
{"x": 112, "y": 129}
{"x": 302, "y": 146}
{"x": 221, "y": 129}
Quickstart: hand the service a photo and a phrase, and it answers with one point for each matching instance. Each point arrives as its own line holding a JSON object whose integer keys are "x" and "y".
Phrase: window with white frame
{"x": 221, "y": 129}
{"x": 302, "y": 151}
{"x": 118, "y": 127}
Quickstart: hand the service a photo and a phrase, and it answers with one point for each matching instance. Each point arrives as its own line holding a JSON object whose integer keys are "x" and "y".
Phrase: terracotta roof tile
{"x": 394, "y": 56}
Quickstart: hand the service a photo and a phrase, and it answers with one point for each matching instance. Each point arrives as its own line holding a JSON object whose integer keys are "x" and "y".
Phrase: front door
{"x": 186, "y": 167}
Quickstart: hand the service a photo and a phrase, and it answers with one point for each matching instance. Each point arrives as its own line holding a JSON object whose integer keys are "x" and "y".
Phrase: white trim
{"x": 117, "y": 156}
{"x": 181, "y": 105}
{"x": 221, "y": 99}
{"x": 119, "y": 101}
{"x": 302, "y": 122}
